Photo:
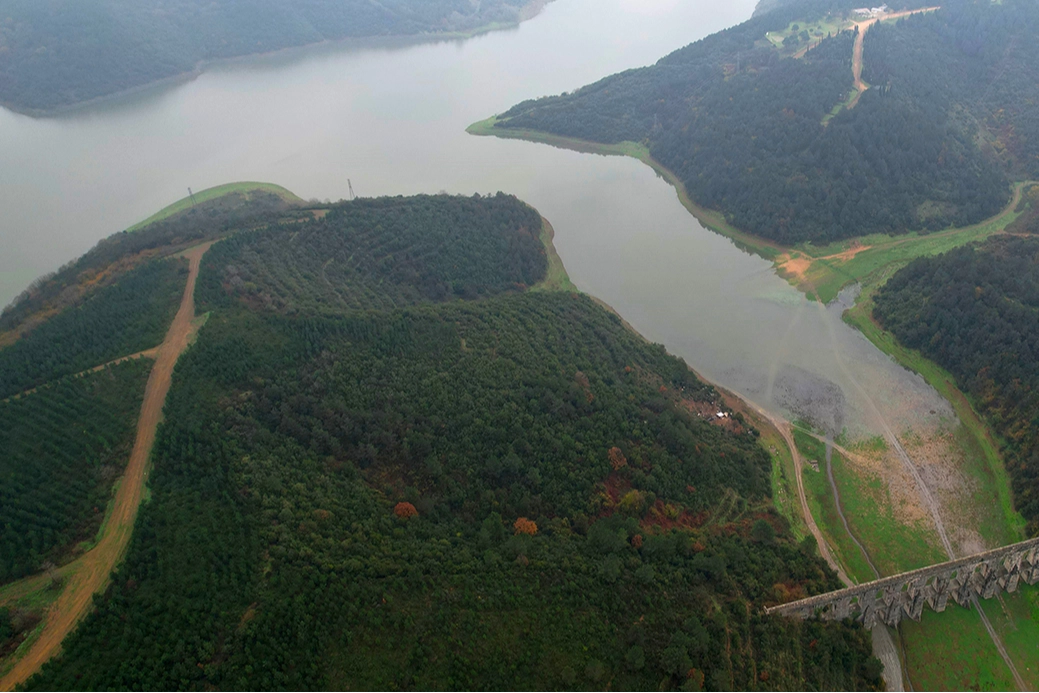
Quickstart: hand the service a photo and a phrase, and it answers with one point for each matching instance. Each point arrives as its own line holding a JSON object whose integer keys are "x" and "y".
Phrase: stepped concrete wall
{"x": 891, "y": 599}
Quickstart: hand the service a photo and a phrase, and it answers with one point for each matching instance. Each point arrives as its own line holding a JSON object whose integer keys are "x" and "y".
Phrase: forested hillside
{"x": 55, "y": 53}
{"x": 130, "y": 316}
{"x": 63, "y": 448}
{"x": 385, "y": 253}
{"x": 763, "y": 132}
{"x": 387, "y": 487}
{"x": 975, "y": 312}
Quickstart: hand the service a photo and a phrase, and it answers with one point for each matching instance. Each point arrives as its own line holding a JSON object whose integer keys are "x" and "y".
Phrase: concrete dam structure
{"x": 891, "y": 599}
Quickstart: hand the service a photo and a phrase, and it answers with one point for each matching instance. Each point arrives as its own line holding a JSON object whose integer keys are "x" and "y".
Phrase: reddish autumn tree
{"x": 404, "y": 510}
{"x": 525, "y": 526}
{"x": 617, "y": 458}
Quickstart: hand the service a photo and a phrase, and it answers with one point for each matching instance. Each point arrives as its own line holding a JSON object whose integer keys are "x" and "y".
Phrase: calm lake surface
{"x": 391, "y": 117}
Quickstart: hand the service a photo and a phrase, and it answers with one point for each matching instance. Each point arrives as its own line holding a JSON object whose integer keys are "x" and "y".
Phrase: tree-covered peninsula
{"x": 57, "y": 53}
{"x": 397, "y": 456}
{"x": 768, "y": 123}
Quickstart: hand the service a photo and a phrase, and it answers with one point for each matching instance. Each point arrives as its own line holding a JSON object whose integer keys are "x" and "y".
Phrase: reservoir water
{"x": 391, "y": 117}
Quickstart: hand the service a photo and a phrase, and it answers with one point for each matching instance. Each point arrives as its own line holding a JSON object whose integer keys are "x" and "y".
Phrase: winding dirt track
{"x": 856, "y": 56}
{"x": 89, "y": 573}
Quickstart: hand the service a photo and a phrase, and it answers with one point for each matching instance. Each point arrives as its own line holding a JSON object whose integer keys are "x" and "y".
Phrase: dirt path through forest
{"x": 89, "y": 573}
{"x": 883, "y": 644}
{"x": 147, "y": 353}
{"x": 860, "y": 38}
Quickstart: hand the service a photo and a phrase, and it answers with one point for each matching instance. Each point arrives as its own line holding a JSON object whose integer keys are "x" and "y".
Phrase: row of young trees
{"x": 750, "y": 133}
{"x": 131, "y": 315}
{"x": 63, "y": 448}
{"x": 973, "y": 311}
{"x": 276, "y": 552}
{"x": 81, "y": 278}
{"x": 383, "y": 253}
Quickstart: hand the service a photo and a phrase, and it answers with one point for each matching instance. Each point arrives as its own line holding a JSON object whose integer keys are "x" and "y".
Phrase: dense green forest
{"x": 63, "y": 447}
{"x": 401, "y": 489}
{"x": 55, "y": 53}
{"x": 749, "y": 129}
{"x": 385, "y": 253}
{"x": 975, "y": 312}
{"x": 129, "y": 316}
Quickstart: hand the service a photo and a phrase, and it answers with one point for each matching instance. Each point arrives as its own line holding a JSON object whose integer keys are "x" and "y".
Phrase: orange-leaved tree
{"x": 525, "y": 526}
{"x": 404, "y": 510}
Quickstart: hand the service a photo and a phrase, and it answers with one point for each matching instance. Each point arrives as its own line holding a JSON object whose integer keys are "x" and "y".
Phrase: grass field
{"x": 952, "y": 651}
{"x": 556, "y": 278}
{"x": 1019, "y": 629}
{"x": 211, "y": 194}
{"x": 825, "y": 270}
{"x": 817, "y": 31}
{"x": 894, "y": 545}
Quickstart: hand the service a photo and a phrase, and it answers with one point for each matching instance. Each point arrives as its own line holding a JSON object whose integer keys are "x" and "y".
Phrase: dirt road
{"x": 860, "y": 38}
{"x": 883, "y": 644}
{"x": 925, "y": 495}
{"x": 89, "y": 573}
{"x": 147, "y": 353}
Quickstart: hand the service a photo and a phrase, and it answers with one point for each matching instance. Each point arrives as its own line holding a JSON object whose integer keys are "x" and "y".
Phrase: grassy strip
{"x": 84, "y": 546}
{"x": 987, "y": 466}
{"x": 829, "y": 273}
{"x": 952, "y": 651}
{"x": 22, "y": 648}
{"x": 852, "y": 95}
{"x": 824, "y": 509}
{"x": 556, "y": 278}
{"x": 784, "y": 484}
{"x": 211, "y": 194}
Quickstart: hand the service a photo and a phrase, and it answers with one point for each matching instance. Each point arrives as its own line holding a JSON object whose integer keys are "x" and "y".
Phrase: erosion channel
{"x": 391, "y": 117}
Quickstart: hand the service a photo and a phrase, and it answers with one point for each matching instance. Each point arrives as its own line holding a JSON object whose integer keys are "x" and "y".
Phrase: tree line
{"x": 766, "y": 139}
{"x": 63, "y": 52}
{"x": 973, "y": 311}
